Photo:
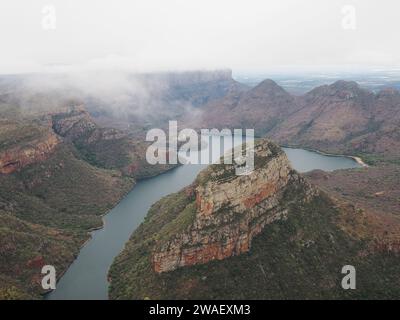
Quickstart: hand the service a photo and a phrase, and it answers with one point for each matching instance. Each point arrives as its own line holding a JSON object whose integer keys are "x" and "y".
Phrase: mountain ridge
{"x": 339, "y": 118}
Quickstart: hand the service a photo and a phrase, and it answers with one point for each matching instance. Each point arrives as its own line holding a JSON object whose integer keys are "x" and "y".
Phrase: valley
{"x": 227, "y": 237}
{"x": 68, "y": 157}
{"x": 87, "y": 278}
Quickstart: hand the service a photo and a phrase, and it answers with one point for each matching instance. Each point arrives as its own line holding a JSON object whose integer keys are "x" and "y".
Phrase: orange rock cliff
{"x": 17, "y": 157}
{"x": 231, "y": 210}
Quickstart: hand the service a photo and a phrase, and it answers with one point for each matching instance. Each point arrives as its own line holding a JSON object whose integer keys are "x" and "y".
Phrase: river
{"x": 86, "y": 278}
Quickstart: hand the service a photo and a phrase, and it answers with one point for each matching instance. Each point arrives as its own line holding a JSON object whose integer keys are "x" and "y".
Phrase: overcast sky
{"x": 150, "y": 35}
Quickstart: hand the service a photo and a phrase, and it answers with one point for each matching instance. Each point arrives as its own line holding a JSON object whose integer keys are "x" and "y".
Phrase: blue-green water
{"x": 304, "y": 161}
{"x": 87, "y": 276}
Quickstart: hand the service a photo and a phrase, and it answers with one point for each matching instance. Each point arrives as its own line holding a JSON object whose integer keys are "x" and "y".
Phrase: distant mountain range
{"x": 301, "y": 81}
{"x": 338, "y": 118}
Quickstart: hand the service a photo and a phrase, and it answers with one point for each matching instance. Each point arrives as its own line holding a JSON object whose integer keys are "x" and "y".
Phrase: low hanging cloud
{"x": 111, "y": 90}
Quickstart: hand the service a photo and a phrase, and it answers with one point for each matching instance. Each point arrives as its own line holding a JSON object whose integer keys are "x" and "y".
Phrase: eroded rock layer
{"x": 36, "y": 150}
{"x": 230, "y": 210}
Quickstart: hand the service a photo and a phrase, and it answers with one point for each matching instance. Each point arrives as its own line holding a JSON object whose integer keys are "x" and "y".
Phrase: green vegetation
{"x": 374, "y": 159}
{"x": 47, "y": 210}
{"x": 49, "y": 206}
{"x": 63, "y": 187}
{"x": 178, "y": 209}
{"x": 105, "y": 148}
{"x": 25, "y": 248}
{"x": 15, "y": 133}
{"x": 110, "y": 154}
{"x": 297, "y": 258}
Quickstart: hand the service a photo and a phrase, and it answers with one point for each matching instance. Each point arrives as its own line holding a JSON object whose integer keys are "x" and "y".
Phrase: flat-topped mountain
{"x": 270, "y": 234}
{"x": 228, "y": 211}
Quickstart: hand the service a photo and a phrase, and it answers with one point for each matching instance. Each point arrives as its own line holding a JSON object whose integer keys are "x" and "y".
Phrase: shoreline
{"x": 355, "y": 158}
{"x": 90, "y": 232}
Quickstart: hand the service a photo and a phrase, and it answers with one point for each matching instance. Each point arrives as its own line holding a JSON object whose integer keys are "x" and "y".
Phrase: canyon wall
{"x": 231, "y": 210}
{"x": 17, "y": 157}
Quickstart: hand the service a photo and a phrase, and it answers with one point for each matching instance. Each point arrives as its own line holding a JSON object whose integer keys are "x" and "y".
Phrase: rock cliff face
{"x": 268, "y": 235}
{"x": 109, "y": 148}
{"x": 17, "y": 157}
{"x": 72, "y": 122}
{"x": 230, "y": 210}
{"x": 49, "y": 201}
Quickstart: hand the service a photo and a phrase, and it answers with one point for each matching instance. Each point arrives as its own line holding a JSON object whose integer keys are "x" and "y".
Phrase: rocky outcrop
{"x": 231, "y": 210}
{"x": 73, "y": 122}
{"x": 76, "y": 123}
{"x": 109, "y": 148}
{"x": 21, "y": 155}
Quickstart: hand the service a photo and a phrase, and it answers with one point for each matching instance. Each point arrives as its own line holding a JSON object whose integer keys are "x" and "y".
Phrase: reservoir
{"x": 86, "y": 278}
